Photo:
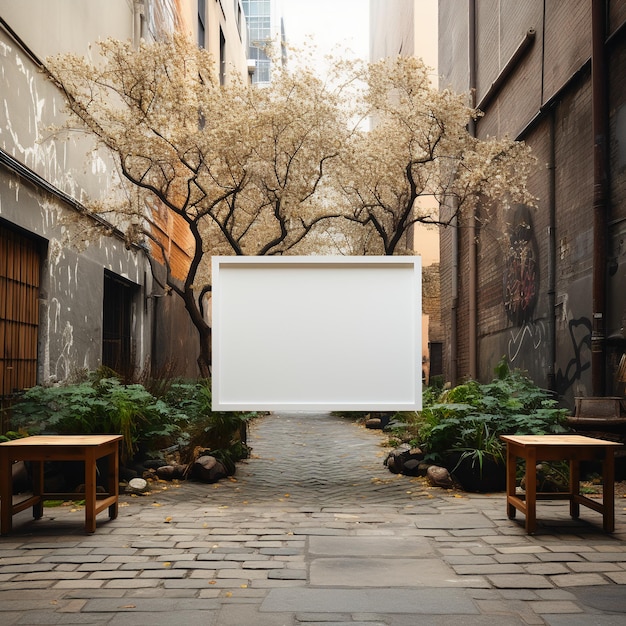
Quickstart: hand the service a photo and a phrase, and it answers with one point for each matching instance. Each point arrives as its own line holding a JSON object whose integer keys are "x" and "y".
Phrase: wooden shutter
{"x": 20, "y": 263}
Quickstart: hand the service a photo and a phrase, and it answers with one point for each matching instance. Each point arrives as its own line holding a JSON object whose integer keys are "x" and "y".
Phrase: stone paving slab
{"x": 377, "y": 572}
{"x": 411, "y": 601}
{"x": 389, "y": 547}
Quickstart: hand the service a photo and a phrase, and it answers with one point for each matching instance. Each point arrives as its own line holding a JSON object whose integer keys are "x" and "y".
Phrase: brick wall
{"x": 544, "y": 327}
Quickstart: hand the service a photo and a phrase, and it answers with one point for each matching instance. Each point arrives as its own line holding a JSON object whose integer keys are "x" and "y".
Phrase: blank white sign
{"x": 316, "y": 333}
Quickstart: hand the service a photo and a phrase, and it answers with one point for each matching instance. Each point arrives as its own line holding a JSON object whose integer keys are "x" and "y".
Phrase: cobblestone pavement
{"x": 313, "y": 531}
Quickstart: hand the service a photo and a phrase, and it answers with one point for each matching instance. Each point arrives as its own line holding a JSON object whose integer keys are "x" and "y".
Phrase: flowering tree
{"x": 420, "y": 148}
{"x": 282, "y": 170}
{"x": 238, "y": 170}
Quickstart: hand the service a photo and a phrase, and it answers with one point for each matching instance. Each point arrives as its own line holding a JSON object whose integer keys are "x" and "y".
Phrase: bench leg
{"x": 574, "y": 488}
{"x": 531, "y": 490}
{"x": 113, "y": 482}
{"x": 511, "y": 462}
{"x": 38, "y": 488}
{"x": 608, "y": 490}
{"x": 6, "y": 494}
{"x": 90, "y": 492}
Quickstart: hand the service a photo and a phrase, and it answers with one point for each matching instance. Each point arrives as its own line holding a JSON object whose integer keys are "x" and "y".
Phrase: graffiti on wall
{"x": 521, "y": 281}
{"x": 580, "y": 338}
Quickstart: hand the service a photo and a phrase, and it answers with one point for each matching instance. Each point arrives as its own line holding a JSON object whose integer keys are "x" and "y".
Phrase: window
{"x": 201, "y": 23}
{"x": 222, "y": 58}
{"x": 116, "y": 324}
{"x": 258, "y": 13}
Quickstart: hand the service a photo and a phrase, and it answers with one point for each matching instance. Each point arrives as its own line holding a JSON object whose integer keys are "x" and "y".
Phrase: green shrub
{"x": 469, "y": 419}
{"x": 221, "y": 432}
{"x": 98, "y": 406}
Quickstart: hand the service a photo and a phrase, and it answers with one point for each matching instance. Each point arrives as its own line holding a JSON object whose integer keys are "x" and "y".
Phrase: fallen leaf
{"x": 228, "y": 594}
{"x": 244, "y": 586}
{"x": 167, "y": 564}
{"x": 156, "y": 504}
{"x": 128, "y": 606}
{"x": 168, "y": 519}
{"x": 212, "y": 582}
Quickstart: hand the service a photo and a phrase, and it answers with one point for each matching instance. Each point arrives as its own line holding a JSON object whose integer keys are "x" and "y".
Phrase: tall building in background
{"x": 409, "y": 28}
{"x": 265, "y": 27}
{"x": 404, "y": 27}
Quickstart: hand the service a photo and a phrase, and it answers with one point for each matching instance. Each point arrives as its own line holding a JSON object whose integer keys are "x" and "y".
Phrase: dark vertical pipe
{"x": 600, "y": 194}
{"x": 473, "y": 245}
{"x": 551, "y": 382}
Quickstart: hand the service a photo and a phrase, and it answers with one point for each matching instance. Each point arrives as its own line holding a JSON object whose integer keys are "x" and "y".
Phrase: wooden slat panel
{"x": 19, "y": 311}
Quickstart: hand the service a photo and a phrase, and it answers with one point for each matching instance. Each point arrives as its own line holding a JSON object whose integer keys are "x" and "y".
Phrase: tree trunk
{"x": 205, "y": 356}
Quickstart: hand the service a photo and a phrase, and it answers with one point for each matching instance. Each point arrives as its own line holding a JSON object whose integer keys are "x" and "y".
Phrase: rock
{"x": 423, "y": 468}
{"x": 166, "y": 472}
{"x": 138, "y": 486}
{"x": 208, "y": 469}
{"x": 171, "y": 472}
{"x": 411, "y": 467}
{"x": 373, "y": 422}
{"x": 405, "y": 460}
{"x": 393, "y": 465}
{"x": 439, "y": 477}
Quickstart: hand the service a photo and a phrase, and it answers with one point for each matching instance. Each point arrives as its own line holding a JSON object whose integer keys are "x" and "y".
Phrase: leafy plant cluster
{"x": 466, "y": 422}
{"x": 224, "y": 433}
{"x": 102, "y": 404}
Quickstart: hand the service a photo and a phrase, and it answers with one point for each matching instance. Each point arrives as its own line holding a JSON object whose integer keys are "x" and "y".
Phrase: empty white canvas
{"x": 316, "y": 333}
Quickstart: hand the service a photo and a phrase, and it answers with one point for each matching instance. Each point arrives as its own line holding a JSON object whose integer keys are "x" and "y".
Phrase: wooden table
{"x": 572, "y": 448}
{"x": 40, "y": 448}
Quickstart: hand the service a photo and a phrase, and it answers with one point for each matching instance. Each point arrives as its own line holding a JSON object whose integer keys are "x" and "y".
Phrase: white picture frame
{"x": 316, "y": 333}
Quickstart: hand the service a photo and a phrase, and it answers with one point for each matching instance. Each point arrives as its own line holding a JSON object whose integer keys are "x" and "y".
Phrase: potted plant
{"x": 478, "y": 457}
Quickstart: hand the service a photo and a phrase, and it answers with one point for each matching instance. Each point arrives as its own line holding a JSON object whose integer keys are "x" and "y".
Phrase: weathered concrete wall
{"x": 74, "y": 262}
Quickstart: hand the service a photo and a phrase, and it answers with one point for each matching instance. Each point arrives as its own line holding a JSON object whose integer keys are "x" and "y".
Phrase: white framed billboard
{"x": 317, "y": 333}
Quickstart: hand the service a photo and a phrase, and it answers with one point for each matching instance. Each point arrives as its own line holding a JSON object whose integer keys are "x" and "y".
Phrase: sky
{"x": 330, "y": 22}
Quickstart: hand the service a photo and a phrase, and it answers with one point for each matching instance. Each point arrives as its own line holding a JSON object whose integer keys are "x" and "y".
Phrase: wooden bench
{"x": 41, "y": 448}
{"x": 572, "y": 448}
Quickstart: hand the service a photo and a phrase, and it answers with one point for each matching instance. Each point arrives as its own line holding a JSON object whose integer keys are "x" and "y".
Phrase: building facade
{"x": 265, "y": 28}
{"x": 68, "y": 304}
{"x": 545, "y": 285}
{"x": 409, "y": 28}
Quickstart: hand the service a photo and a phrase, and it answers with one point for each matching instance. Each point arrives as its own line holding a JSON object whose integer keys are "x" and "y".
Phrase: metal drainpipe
{"x": 600, "y": 195}
{"x": 473, "y": 245}
{"x": 552, "y": 253}
{"x": 454, "y": 318}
